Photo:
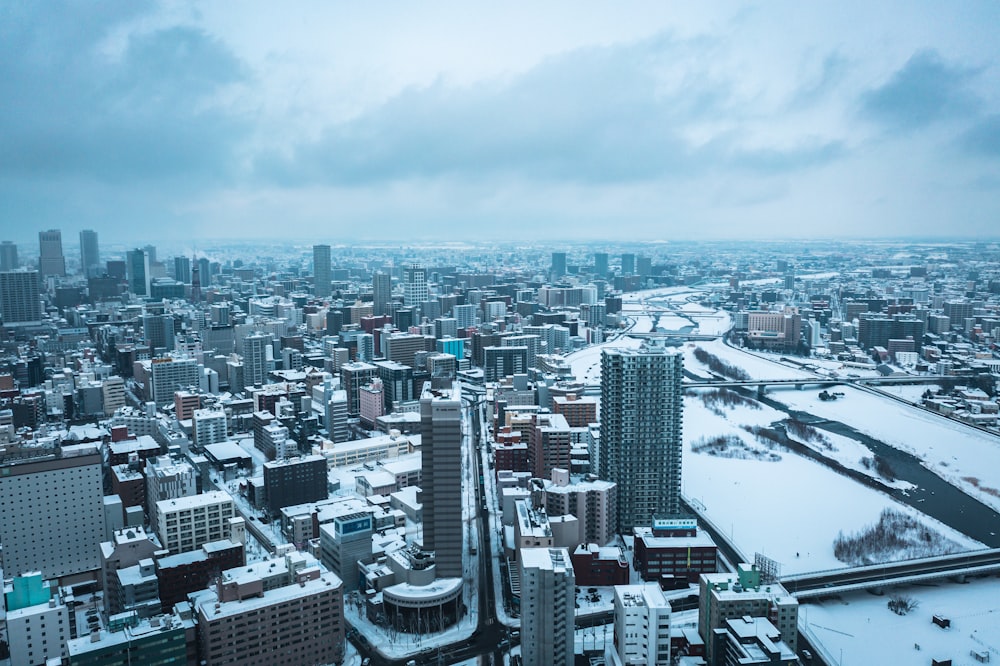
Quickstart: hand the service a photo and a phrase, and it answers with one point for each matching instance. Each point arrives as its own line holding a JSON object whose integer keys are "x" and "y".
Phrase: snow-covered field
{"x": 967, "y": 458}
{"x": 784, "y": 509}
{"x": 757, "y": 366}
{"x": 858, "y": 628}
{"x": 909, "y": 392}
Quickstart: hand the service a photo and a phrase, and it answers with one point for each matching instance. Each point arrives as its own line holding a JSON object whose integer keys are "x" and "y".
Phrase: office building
{"x": 8, "y": 256}
{"x": 500, "y": 362}
{"x": 592, "y": 501}
{"x": 58, "y": 534}
{"x": 321, "y": 270}
{"x": 113, "y": 394}
{"x": 397, "y": 382}
{"x": 441, "y": 477}
{"x": 558, "y": 265}
{"x": 549, "y": 444}
{"x": 642, "y": 627}
{"x": 548, "y": 598}
{"x": 90, "y": 256}
{"x": 465, "y": 317}
{"x": 640, "y": 446}
{"x": 295, "y": 481}
{"x": 137, "y": 272}
{"x": 158, "y": 331}
{"x": 353, "y": 376}
{"x": 20, "y": 302}
{"x": 672, "y": 549}
{"x": 184, "y": 524}
{"x": 748, "y": 641}
{"x": 345, "y": 541}
{"x": 727, "y": 596}
{"x": 381, "y": 293}
{"x": 601, "y": 264}
{"x": 628, "y": 263}
{"x": 414, "y": 285}
{"x": 50, "y": 254}
{"x": 182, "y": 270}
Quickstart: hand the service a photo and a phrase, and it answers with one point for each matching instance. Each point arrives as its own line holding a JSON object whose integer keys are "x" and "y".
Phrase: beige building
{"x": 183, "y": 524}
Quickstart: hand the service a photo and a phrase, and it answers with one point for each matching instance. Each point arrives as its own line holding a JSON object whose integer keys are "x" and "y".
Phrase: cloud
{"x": 983, "y": 138}
{"x": 925, "y": 90}
{"x": 599, "y": 115}
{"x": 76, "y": 108}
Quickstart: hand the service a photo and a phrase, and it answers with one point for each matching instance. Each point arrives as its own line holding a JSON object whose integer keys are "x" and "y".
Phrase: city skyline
{"x": 439, "y": 121}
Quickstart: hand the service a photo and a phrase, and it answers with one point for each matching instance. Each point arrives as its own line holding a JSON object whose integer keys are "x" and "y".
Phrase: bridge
{"x": 877, "y": 576}
{"x": 820, "y": 381}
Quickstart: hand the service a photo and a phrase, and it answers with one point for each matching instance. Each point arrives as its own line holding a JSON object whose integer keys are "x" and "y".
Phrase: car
{"x": 807, "y": 655}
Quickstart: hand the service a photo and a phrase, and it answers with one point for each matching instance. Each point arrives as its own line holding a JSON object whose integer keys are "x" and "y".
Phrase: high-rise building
{"x": 50, "y": 253}
{"x": 558, "y": 265}
{"x": 641, "y": 416}
{"x": 441, "y": 477}
{"x": 137, "y": 272}
{"x": 90, "y": 256}
{"x": 57, "y": 533}
{"x": 158, "y": 331}
{"x": 37, "y": 621}
{"x": 255, "y": 348}
{"x": 414, "y": 285}
{"x": 182, "y": 269}
{"x": 209, "y": 426}
{"x": 19, "y": 299}
{"x": 321, "y": 270}
{"x": 628, "y": 263}
{"x": 8, "y": 256}
{"x": 465, "y": 316}
{"x": 601, "y": 264}
{"x": 642, "y": 627}
{"x": 381, "y": 293}
{"x": 548, "y": 599}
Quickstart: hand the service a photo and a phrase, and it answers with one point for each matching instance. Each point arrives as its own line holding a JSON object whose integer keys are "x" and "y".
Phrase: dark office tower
{"x": 414, "y": 285}
{"x": 151, "y": 252}
{"x": 441, "y": 477}
{"x": 644, "y": 266}
{"x": 196, "y": 282}
{"x": 558, "y": 265}
{"x": 601, "y": 264}
{"x": 334, "y": 321}
{"x": 381, "y": 293}
{"x": 640, "y": 447}
{"x": 403, "y": 319}
{"x": 19, "y": 300}
{"x": 628, "y": 264}
{"x": 321, "y": 270}
{"x": 205, "y": 272}
{"x": 158, "y": 331}
{"x": 137, "y": 272}
{"x": 8, "y": 256}
{"x": 50, "y": 254}
{"x": 182, "y": 270}
{"x": 90, "y": 256}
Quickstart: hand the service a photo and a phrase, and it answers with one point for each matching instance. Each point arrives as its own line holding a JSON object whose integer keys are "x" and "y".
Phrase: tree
{"x": 901, "y": 604}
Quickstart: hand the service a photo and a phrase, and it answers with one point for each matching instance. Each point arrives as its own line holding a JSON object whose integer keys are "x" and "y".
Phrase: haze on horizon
{"x": 445, "y": 120}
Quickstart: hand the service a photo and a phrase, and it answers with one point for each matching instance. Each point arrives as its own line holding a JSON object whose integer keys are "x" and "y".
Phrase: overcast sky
{"x": 546, "y": 120}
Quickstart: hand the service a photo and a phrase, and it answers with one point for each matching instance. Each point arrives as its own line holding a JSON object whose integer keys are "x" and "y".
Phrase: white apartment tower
{"x": 209, "y": 427}
{"x": 548, "y": 600}
{"x": 414, "y": 285}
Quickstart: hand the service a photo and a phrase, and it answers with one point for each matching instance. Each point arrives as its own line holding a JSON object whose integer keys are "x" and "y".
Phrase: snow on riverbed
{"x": 966, "y": 457}
{"x": 858, "y": 628}
{"x": 790, "y": 510}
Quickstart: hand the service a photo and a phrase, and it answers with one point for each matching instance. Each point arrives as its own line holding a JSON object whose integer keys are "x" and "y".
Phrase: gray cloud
{"x": 925, "y": 90}
{"x": 597, "y": 115}
{"x": 983, "y": 138}
{"x": 74, "y": 108}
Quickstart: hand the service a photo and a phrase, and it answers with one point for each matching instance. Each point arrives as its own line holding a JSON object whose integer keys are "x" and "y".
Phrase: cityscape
{"x": 671, "y": 453}
{"x": 524, "y": 334}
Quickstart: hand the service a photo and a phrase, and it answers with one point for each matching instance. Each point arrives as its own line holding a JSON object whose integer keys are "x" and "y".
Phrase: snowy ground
{"x": 909, "y": 392}
{"x": 782, "y": 509}
{"x": 758, "y": 366}
{"x": 965, "y": 457}
{"x": 858, "y": 628}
